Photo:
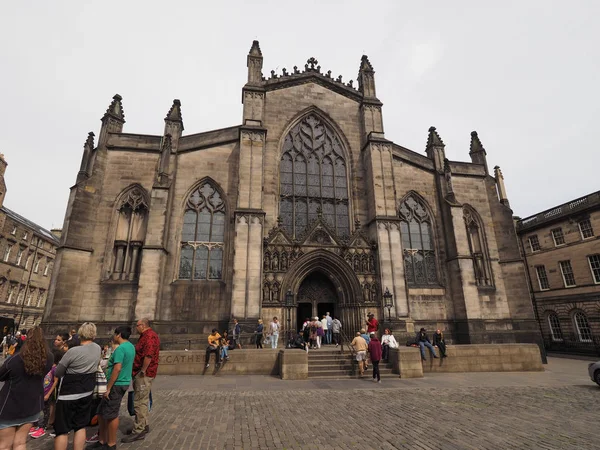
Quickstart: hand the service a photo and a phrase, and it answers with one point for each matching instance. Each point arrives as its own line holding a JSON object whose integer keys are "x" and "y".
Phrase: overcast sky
{"x": 524, "y": 74}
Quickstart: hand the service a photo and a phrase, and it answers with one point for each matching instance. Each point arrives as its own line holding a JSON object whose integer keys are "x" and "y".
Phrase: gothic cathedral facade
{"x": 305, "y": 208}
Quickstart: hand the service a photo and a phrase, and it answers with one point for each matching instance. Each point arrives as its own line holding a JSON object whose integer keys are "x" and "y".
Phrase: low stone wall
{"x": 406, "y": 361}
{"x": 487, "y": 358}
{"x": 241, "y": 362}
{"x": 293, "y": 364}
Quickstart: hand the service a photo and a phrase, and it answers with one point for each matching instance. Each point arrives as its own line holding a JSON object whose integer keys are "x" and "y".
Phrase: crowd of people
{"x": 69, "y": 387}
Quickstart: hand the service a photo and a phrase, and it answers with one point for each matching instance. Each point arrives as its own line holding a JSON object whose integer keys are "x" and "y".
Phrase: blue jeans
{"x": 224, "y": 351}
{"x": 328, "y": 336}
{"x": 422, "y": 345}
{"x": 274, "y": 340}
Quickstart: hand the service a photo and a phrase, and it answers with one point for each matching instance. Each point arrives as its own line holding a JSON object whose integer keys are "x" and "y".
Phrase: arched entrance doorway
{"x": 316, "y": 296}
{"x": 321, "y": 281}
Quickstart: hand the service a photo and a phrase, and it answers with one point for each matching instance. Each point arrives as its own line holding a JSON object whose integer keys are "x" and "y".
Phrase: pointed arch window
{"x": 202, "y": 238}
{"x": 478, "y": 248}
{"x": 313, "y": 178}
{"x": 420, "y": 266}
{"x": 132, "y": 221}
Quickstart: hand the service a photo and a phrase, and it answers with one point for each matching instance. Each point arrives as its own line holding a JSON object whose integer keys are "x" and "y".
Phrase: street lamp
{"x": 387, "y": 302}
{"x": 289, "y": 304}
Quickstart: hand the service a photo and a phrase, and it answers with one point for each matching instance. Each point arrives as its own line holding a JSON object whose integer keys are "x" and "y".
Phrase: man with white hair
{"x": 77, "y": 368}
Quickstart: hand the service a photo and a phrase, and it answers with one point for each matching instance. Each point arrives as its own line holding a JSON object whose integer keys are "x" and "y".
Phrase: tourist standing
{"x": 61, "y": 342}
{"x": 274, "y": 331}
{"x": 336, "y": 328}
{"x": 21, "y": 397}
{"x": 118, "y": 374}
{"x": 320, "y": 332}
{"x": 372, "y": 323}
{"x": 77, "y": 368}
{"x": 375, "y": 355}
{"x": 325, "y": 326}
{"x": 329, "y": 329}
{"x": 145, "y": 366}
{"x": 259, "y": 333}
{"x": 387, "y": 341}
{"x": 237, "y": 331}
{"x": 360, "y": 347}
{"x": 74, "y": 339}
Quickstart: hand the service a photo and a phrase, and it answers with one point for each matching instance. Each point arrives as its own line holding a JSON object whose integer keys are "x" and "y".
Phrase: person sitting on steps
{"x": 423, "y": 341}
{"x": 213, "y": 347}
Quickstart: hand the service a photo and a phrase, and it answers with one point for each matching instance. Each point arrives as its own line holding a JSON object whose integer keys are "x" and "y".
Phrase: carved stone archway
{"x": 344, "y": 280}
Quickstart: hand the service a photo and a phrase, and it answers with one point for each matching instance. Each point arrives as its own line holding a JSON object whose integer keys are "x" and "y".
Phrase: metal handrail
{"x": 346, "y": 341}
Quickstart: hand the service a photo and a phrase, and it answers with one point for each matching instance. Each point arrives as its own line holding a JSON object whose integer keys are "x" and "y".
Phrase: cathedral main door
{"x": 316, "y": 297}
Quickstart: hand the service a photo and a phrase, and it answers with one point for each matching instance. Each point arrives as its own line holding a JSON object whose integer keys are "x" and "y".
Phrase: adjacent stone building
{"x": 27, "y": 254}
{"x": 304, "y": 208}
{"x": 562, "y": 252}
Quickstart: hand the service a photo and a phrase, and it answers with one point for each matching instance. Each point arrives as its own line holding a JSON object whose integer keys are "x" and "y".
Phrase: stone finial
{"x": 365, "y": 64}
{"x": 89, "y": 142}
{"x": 174, "y": 113}
{"x": 255, "y": 63}
{"x": 476, "y": 145}
{"x": 255, "y": 49}
{"x": 434, "y": 139}
{"x": 312, "y": 62}
{"x": 88, "y": 147}
{"x": 477, "y": 152}
{"x": 366, "y": 78}
{"x": 115, "y": 109}
{"x": 500, "y": 185}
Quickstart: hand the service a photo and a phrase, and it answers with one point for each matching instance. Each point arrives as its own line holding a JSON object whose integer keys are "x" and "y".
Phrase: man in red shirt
{"x": 145, "y": 365}
{"x": 372, "y": 323}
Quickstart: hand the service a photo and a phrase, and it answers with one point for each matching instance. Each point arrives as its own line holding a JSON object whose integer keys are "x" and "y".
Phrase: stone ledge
{"x": 241, "y": 362}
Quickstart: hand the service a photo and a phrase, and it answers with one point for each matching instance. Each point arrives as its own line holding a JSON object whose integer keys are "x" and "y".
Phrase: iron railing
{"x": 573, "y": 345}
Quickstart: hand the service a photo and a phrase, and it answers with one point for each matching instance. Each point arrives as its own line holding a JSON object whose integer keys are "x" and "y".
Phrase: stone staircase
{"x": 330, "y": 363}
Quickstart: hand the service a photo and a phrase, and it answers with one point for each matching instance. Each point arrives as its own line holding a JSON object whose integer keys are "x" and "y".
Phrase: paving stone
{"x": 554, "y": 409}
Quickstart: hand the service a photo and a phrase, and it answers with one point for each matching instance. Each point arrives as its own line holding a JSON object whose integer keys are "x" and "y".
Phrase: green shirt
{"x": 124, "y": 355}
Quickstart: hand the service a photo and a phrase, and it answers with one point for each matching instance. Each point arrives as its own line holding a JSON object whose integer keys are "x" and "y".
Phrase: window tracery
{"x": 478, "y": 248}
{"x": 420, "y": 266}
{"x": 130, "y": 235}
{"x": 313, "y": 179}
{"x": 202, "y": 237}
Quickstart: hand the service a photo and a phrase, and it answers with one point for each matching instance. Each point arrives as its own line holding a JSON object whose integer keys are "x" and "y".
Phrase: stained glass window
{"x": 417, "y": 242}
{"x": 313, "y": 179}
{"x": 203, "y": 235}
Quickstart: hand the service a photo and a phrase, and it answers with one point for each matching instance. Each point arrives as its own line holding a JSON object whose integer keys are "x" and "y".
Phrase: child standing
{"x": 50, "y": 383}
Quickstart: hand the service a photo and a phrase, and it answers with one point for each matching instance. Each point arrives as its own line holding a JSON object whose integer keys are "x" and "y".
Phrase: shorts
{"x": 361, "y": 356}
{"x": 18, "y": 422}
{"x": 72, "y": 415}
{"x": 109, "y": 408}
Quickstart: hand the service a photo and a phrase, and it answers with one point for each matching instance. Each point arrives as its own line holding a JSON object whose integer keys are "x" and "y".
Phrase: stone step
{"x": 348, "y": 375}
{"x": 340, "y": 370}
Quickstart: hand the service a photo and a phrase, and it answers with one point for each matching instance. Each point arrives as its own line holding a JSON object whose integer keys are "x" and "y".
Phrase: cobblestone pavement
{"x": 556, "y": 409}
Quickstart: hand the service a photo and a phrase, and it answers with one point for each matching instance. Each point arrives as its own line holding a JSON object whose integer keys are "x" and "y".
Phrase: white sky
{"x": 524, "y": 74}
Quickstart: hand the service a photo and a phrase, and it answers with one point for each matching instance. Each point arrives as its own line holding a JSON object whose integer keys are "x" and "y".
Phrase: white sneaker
{"x": 207, "y": 366}
{"x": 379, "y": 381}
